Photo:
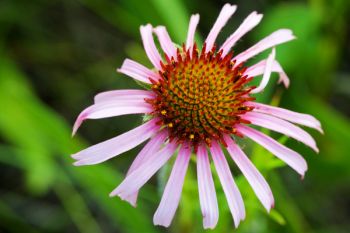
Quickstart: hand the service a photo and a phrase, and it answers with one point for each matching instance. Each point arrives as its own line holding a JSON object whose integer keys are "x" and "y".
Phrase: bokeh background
{"x": 56, "y": 55}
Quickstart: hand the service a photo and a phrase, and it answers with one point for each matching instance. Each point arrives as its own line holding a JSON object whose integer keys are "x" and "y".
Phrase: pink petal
{"x": 115, "y": 146}
{"x": 120, "y": 95}
{"x": 206, "y": 189}
{"x": 267, "y": 73}
{"x": 281, "y": 126}
{"x": 290, "y": 157}
{"x": 278, "y": 37}
{"x": 116, "y": 103}
{"x": 248, "y": 24}
{"x": 133, "y": 182}
{"x": 149, "y": 46}
{"x": 137, "y": 71}
{"x": 259, "y": 68}
{"x": 255, "y": 179}
{"x": 191, "y": 31}
{"x": 225, "y": 13}
{"x": 172, "y": 192}
{"x": 165, "y": 41}
{"x": 111, "y": 109}
{"x": 285, "y": 114}
{"x": 283, "y": 78}
{"x": 151, "y": 148}
{"x": 233, "y": 196}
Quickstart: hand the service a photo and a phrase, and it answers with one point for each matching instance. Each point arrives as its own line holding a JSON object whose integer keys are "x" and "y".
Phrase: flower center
{"x": 200, "y": 96}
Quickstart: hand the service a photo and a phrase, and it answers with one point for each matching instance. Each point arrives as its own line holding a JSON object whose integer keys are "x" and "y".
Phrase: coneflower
{"x": 199, "y": 100}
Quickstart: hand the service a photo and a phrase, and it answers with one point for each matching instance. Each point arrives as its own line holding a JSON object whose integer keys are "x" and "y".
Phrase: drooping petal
{"x": 248, "y": 24}
{"x": 147, "y": 152}
{"x": 172, "y": 192}
{"x": 206, "y": 189}
{"x": 225, "y": 14}
{"x": 277, "y": 37}
{"x": 115, "y": 103}
{"x": 153, "y": 146}
{"x": 165, "y": 41}
{"x": 285, "y": 114}
{"x": 233, "y": 196}
{"x": 150, "y": 46}
{"x": 121, "y": 95}
{"x": 111, "y": 109}
{"x": 281, "y": 126}
{"x": 290, "y": 157}
{"x": 137, "y": 71}
{"x": 254, "y": 177}
{"x": 267, "y": 73}
{"x": 115, "y": 146}
{"x": 259, "y": 68}
{"x": 133, "y": 182}
{"x": 191, "y": 31}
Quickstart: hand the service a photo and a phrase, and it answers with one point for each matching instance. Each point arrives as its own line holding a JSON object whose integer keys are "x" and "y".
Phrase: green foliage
{"x": 55, "y": 55}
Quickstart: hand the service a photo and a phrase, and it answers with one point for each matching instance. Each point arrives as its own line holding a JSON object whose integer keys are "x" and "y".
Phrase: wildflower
{"x": 199, "y": 100}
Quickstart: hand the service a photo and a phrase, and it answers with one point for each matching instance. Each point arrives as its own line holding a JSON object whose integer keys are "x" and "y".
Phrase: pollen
{"x": 201, "y": 95}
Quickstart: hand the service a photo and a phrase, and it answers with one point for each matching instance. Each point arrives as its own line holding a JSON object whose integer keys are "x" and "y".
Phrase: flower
{"x": 199, "y": 100}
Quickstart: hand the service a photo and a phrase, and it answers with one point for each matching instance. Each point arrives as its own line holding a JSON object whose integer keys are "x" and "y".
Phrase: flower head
{"x": 199, "y": 100}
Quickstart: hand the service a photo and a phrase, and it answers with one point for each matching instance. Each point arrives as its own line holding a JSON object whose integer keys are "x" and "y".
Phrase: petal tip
{"x": 236, "y": 223}
{"x": 319, "y": 129}
{"x": 208, "y": 226}
{"x": 158, "y": 222}
{"x": 80, "y": 119}
{"x": 79, "y": 163}
{"x": 270, "y": 205}
{"x": 76, "y": 126}
{"x": 133, "y": 204}
{"x": 230, "y": 7}
{"x": 210, "y": 221}
{"x": 73, "y": 132}
{"x": 146, "y": 26}
{"x": 113, "y": 193}
{"x": 302, "y": 174}
{"x": 131, "y": 200}
{"x": 315, "y": 148}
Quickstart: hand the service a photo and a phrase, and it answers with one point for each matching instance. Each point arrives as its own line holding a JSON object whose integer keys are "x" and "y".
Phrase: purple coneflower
{"x": 199, "y": 100}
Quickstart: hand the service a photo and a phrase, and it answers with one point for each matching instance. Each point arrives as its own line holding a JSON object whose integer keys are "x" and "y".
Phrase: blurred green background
{"x": 56, "y": 55}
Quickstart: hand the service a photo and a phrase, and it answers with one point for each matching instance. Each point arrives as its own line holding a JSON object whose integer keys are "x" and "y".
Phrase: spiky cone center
{"x": 201, "y": 96}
